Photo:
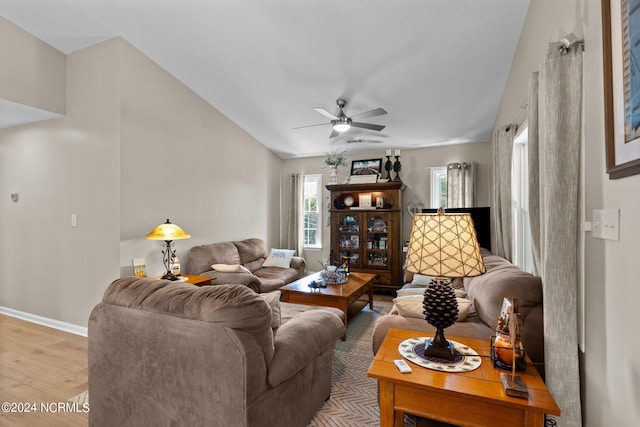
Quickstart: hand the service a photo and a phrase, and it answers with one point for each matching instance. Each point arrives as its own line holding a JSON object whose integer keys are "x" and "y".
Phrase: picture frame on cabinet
{"x": 622, "y": 113}
{"x": 366, "y": 167}
{"x": 364, "y": 201}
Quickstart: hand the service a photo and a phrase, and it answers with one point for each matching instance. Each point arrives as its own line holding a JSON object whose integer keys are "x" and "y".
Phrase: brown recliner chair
{"x": 171, "y": 354}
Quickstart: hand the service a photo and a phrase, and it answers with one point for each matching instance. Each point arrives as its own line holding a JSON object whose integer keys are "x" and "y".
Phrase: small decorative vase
{"x": 333, "y": 175}
{"x": 175, "y": 266}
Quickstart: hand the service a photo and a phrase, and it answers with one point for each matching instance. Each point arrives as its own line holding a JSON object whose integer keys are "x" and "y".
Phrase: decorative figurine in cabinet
{"x": 369, "y": 234}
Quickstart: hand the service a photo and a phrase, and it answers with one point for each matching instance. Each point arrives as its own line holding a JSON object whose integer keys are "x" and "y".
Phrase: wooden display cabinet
{"x": 371, "y": 236}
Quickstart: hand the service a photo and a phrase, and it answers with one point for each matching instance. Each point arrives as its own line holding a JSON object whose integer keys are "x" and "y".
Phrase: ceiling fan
{"x": 342, "y": 123}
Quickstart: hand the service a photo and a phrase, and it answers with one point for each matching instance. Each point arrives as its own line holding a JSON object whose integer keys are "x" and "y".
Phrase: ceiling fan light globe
{"x": 342, "y": 124}
{"x": 341, "y": 127}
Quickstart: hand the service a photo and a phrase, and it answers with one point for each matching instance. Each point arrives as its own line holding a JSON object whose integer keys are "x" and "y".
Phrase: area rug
{"x": 354, "y": 396}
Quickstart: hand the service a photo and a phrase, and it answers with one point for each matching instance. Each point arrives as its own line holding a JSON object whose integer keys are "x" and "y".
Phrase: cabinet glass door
{"x": 349, "y": 238}
{"x": 377, "y": 245}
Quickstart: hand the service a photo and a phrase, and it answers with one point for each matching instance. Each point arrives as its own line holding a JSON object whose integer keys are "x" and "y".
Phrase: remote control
{"x": 402, "y": 366}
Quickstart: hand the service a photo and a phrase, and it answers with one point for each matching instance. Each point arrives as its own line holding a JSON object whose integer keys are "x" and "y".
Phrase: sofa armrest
{"x": 298, "y": 263}
{"x": 299, "y": 341}
{"x": 247, "y": 279}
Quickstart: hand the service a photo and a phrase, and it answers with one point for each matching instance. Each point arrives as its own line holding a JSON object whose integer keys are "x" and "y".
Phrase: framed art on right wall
{"x": 621, "y": 57}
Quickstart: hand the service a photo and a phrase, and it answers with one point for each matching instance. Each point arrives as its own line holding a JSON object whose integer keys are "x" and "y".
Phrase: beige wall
{"x": 415, "y": 175}
{"x": 60, "y": 167}
{"x": 134, "y": 148}
{"x": 611, "y": 368}
{"x": 184, "y": 160}
{"x": 32, "y": 72}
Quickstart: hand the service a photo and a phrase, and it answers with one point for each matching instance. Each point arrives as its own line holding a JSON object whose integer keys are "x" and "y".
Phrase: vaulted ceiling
{"x": 438, "y": 67}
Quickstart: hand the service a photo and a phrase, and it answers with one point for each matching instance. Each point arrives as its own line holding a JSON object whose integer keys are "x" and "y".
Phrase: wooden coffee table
{"x": 337, "y": 296}
{"x": 466, "y": 398}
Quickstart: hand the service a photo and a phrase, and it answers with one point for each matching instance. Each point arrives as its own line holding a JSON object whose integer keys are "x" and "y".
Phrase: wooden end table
{"x": 337, "y": 296}
{"x": 197, "y": 280}
{"x": 194, "y": 280}
{"x": 474, "y": 398}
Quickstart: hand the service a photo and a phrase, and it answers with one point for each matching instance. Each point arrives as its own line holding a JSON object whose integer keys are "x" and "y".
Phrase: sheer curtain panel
{"x": 555, "y": 112}
{"x": 461, "y": 185}
{"x": 294, "y": 218}
{"x": 502, "y": 155}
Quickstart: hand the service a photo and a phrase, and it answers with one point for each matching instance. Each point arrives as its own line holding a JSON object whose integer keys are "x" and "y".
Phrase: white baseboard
{"x": 45, "y": 321}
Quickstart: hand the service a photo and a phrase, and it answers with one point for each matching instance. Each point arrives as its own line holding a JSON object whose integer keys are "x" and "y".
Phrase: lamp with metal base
{"x": 443, "y": 246}
{"x": 168, "y": 232}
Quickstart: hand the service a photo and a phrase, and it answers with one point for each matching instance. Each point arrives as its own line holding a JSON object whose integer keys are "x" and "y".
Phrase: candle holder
{"x": 396, "y": 168}
{"x": 388, "y": 166}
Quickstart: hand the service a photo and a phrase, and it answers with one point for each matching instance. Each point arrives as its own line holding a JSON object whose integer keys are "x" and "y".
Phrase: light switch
{"x": 606, "y": 224}
{"x": 74, "y": 220}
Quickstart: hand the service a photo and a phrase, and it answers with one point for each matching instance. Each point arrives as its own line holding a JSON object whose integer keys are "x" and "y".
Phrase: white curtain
{"x": 295, "y": 218}
{"x": 461, "y": 185}
{"x": 555, "y": 106}
{"x": 502, "y": 154}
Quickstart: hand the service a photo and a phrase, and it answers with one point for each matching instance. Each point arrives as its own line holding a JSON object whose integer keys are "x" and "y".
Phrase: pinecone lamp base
{"x": 440, "y": 311}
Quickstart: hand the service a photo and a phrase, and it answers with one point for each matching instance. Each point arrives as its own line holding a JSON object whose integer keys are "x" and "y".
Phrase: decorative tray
{"x": 337, "y": 280}
{"x": 466, "y": 359}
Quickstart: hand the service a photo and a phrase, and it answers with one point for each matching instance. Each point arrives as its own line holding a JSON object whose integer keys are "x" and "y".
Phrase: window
{"x": 439, "y": 187}
{"x": 522, "y": 255}
{"x": 312, "y": 212}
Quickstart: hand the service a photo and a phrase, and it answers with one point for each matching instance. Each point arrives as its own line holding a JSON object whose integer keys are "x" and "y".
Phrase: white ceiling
{"x": 437, "y": 66}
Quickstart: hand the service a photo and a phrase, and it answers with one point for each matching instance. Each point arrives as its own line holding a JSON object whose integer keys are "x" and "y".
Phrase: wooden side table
{"x": 197, "y": 280}
{"x": 466, "y": 398}
{"x": 194, "y": 280}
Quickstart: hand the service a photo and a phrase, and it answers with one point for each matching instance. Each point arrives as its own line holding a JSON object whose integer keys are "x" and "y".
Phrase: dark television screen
{"x": 481, "y": 220}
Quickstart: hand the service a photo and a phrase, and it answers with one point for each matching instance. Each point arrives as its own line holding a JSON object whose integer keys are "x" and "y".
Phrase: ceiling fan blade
{"x": 363, "y": 141}
{"x": 325, "y": 113}
{"x": 367, "y": 126}
{"x": 334, "y": 133}
{"x": 308, "y": 126}
{"x": 372, "y": 113}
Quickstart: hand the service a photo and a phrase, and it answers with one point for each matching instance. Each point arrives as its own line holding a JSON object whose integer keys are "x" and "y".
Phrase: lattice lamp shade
{"x": 444, "y": 245}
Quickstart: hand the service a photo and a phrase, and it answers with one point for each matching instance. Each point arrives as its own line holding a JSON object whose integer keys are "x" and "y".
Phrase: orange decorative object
{"x": 504, "y": 350}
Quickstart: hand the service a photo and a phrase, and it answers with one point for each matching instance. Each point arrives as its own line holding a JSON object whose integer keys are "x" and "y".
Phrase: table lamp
{"x": 443, "y": 246}
{"x": 168, "y": 232}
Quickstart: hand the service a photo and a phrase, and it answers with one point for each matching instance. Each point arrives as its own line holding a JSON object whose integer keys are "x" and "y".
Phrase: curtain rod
{"x": 568, "y": 42}
{"x": 522, "y": 107}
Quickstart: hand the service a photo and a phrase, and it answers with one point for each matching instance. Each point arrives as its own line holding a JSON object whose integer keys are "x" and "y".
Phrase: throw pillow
{"x": 273, "y": 299}
{"x": 404, "y": 291}
{"x": 279, "y": 258}
{"x": 419, "y": 279}
{"x": 229, "y": 268}
{"x": 411, "y": 306}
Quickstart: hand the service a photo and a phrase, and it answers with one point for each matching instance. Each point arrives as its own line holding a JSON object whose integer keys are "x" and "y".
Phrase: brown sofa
{"x": 249, "y": 253}
{"x": 171, "y": 354}
{"x": 487, "y": 292}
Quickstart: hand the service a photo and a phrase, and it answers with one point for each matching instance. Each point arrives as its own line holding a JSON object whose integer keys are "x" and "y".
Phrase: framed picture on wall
{"x": 621, "y": 56}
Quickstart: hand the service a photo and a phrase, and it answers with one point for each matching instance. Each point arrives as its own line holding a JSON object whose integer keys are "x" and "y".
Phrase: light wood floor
{"x": 43, "y": 366}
